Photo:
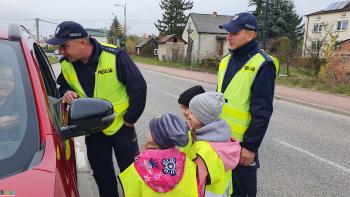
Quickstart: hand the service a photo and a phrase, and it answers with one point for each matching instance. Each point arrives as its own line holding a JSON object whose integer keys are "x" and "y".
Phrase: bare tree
{"x": 315, "y": 51}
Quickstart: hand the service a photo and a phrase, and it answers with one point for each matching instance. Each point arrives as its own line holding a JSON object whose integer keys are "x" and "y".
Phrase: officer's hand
{"x": 69, "y": 96}
{"x": 247, "y": 157}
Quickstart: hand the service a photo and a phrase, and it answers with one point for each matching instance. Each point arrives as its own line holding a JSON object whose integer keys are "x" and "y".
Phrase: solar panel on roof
{"x": 337, "y": 5}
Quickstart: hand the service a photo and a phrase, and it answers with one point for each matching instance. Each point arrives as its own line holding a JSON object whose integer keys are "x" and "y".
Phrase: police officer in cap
{"x": 246, "y": 77}
{"x": 97, "y": 70}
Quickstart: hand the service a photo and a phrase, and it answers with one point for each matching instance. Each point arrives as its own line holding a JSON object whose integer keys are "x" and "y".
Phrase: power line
{"x": 48, "y": 21}
{"x": 19, "y": 19}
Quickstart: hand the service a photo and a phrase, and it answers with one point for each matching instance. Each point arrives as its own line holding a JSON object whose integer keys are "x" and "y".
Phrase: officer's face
{"x": 72, "y": 49}
{"x": 238, "y": 39}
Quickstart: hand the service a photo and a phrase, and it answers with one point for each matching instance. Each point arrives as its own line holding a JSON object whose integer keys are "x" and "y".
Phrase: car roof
{"x": 4, "y": 33}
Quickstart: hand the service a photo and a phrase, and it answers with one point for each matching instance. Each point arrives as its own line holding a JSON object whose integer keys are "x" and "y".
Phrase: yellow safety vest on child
{"x": 137, "y": 184}
{"x": 220, "y": 179}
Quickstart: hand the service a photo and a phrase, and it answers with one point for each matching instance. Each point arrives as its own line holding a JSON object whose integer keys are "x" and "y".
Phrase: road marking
{"x": 164, "y": 92}
{"x": 347, "y": 170}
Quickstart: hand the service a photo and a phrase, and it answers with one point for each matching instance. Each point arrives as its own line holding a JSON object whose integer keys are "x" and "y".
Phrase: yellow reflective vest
{"x": 187, "y": 149}
{"x": 220, "y": 180}
{"x": 134, "y": 186}
{"x": 107, "y": 86}
{"x": 236, "y": 110}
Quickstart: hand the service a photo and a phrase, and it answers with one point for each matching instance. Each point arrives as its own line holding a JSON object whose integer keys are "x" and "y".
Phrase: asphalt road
{"x": 306, "y": 151}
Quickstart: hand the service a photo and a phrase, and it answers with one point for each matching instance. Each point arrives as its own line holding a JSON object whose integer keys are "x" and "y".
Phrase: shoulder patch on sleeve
{"x": 112, "y": 50}
{"x": 266, "y": 56}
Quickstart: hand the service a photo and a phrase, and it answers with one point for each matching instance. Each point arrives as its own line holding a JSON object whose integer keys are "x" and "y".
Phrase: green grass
{"x": 53, "y": 59}
{"x": 299, "y": 80}
{"x": 295, "y": 78}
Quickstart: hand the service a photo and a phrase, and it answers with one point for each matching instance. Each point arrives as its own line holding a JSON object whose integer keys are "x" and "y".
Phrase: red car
{"x": 37, "y": 156}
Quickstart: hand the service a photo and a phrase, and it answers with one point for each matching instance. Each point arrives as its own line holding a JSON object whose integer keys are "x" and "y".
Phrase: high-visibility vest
{"x": 236, "y": 110}
{"x": 107, "y": 86}
{"x": 134, "y": 186}
{"x": 187, "y": 149}
{"x": 220, "y": 179}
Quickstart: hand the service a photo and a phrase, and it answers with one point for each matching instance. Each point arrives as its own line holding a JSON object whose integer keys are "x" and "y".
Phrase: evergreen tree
{"x": 173, "y": 19}
{"x": 282, "y": 20}
{"x": 115, "y": 31}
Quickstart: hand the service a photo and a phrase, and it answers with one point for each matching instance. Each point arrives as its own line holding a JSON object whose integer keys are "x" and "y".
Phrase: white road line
{"x": 347, "y": 170}
{"x": 164, "y": 92}
{"x": 81, "y": 161}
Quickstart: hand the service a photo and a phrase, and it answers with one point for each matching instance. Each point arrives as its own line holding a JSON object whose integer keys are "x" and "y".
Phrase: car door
{"x": 65, "y": 148}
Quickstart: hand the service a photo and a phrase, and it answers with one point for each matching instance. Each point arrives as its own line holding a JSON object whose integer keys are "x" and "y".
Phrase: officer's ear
{"x": 251, "y": 35}
{"x": 84, "y": 41}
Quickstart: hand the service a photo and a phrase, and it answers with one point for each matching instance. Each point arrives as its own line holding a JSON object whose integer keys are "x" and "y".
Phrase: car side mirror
{"x": 86, "y": 116}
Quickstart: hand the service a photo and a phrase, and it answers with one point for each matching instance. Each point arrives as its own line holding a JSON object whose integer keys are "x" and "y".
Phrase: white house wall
{"x": 204, "y": 45}
{"x": 331, "y": 19}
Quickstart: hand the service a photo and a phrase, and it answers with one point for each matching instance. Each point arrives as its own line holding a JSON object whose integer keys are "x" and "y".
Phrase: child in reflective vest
{"x": 184, "y": 102}
{"x": 161, "y": 169}
{"x": 213, "y": 150}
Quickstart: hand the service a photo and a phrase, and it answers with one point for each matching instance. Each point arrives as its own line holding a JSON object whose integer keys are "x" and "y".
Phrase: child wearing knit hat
{"x": 161, "y": 169}
{"x": 213, "y": 150}
{"x": 184, "y": 102}
{"x": 186, "y": 97}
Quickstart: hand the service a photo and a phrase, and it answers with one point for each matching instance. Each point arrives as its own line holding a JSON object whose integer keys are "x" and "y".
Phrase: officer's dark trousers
{"x": 99, "y": 152}
{"x": 244, "y": 180}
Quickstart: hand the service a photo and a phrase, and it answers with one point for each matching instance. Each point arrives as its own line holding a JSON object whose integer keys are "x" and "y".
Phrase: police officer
{"x": 93, "y": 69}
{"x": 246, "y": 77}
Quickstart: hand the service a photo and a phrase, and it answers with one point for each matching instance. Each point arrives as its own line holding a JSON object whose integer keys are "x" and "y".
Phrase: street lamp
{"x": 265, "y": 32}
{"x": 124, "y": 6}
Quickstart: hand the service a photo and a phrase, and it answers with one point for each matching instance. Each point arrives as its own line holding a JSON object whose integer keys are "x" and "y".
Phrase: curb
{"x": 278, "y": 97}
{"x": 313, "y": 105}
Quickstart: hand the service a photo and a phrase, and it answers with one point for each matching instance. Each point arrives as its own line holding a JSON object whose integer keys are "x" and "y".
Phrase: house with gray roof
{"x": 171, "y": 48}
{"x": 147, "y": 47}
{"x": 204, "y": 37}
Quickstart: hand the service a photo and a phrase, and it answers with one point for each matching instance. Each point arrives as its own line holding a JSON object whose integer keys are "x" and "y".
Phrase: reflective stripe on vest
{"x": 107, "y": 86}
{"x": 134, "y": 186}
{"x": 187, "y": 149}
{"x": 220, "y": 179}
{"x": 236, "y": 111}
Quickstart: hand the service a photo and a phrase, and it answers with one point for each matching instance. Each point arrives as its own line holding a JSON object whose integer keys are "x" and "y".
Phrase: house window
{"x": 318, "y": 18}
{"x": 155, "y": 51}
{"x": 316, "y": 45}
{"x": 318, "y": 27}
{"x": 342, "y": 25}
{"x": 343, "y": 14}
{"x": 313, "y": 45}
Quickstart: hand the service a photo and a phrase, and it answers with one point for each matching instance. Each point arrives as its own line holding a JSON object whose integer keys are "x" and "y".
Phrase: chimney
{"x": 215, "y": 13}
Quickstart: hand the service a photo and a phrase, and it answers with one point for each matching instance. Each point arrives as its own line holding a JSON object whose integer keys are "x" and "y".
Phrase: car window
{"x": 57, "y": 109}
{"x": 52, "y": 92}
{"x": 46, "y": 71}
{"x": 19, "y": 132}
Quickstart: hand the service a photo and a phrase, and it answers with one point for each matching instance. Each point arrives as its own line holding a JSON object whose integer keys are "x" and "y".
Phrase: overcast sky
{"x": 141, "y": 14}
